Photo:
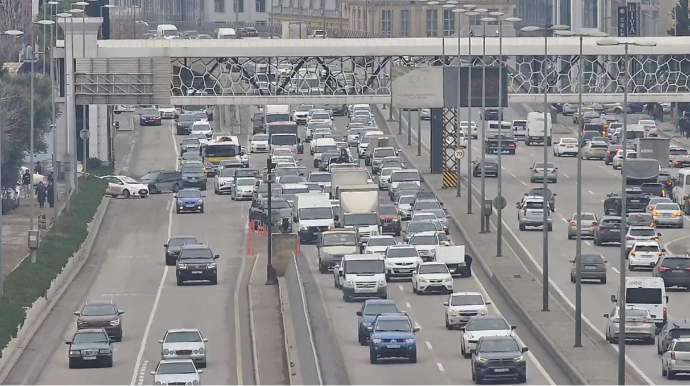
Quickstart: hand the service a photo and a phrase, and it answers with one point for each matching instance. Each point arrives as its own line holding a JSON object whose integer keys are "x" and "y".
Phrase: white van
{"x": 363, "y": 276}
{"x": 454, "y": 258}
{"x": 314, "y": 215}
{"x": 226, "y": 33}
{"x": 321, "y": 145}
{"x": 167, "y": 31}
{"x": 536, "y": 127}
{"x": 648, "y": 293}
{"x": 681, "y": 190}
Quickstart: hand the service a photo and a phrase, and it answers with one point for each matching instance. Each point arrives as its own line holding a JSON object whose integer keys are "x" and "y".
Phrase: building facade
{"x": 316, "y": 14}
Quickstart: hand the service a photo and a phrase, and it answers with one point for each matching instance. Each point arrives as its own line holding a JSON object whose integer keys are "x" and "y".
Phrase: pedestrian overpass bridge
{"x": 223, "y": 71}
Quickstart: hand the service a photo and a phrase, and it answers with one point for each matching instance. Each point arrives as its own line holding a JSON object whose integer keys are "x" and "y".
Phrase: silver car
{"x": 385, "y": 178}
{"x": 531, "y": 213}
{"x": 656, "y": 200}
{"x": 639, "y": 325}
{"x": 404, "y": 205}
{"x": 676, "y": 359}
{"x": 224, "y": 181}
{"x": 594, "y": 150}
{"x": 538, "y": 172}
{"x": 176, "y": 372}
{"x": 184, "y": 343}
{"x": 668, "y": 214}
{"x": 588, "y": 222}
{"x": 243, "y": 189}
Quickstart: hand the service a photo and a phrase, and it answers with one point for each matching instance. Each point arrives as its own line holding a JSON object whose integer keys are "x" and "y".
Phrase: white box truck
{"x": 536, "y": 128}
{"x": 358, "y": 209}
{"x": 314, "y": 215}
{"x": 294, "y": 30}
{"x": 454, "y": 258}
{"x": 345, "y": 177}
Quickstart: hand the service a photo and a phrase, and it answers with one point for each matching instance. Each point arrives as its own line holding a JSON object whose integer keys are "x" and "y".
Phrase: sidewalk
{"x": 15, "y": 229}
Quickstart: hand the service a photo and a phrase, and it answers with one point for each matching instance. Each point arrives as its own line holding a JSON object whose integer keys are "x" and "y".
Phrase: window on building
{"x": 387, "y": 22}
{"x": 448, "y": 22}
{"x": 260, "y": 5}
{"x": 590, "y": 14}
{"x": 431, "y": 22}
{"x": 405, "y": 23}
{"x": 475, "y": 20}
{"x": 238, "y": 6}
{"x": 488, "y": 15}
{"x": 219, "y": 6}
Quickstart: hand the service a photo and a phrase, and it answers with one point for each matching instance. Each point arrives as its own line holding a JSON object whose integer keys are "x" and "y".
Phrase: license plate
{"x": 189, "y": 205}
{"x": 666, "y": 215}
{"x": 677, "y": 271}
{"x": 393, "y": 346}
{"x": 505, "y": 151}
{"x": 451, "y": 270}
{"x": 615, "y": 230}
{"x": 636, "y": 201}
{"x": 367, "y": 290}
{"x": 197, "y": 272}
{"x": 590, "y": 267}
{"x": 501, "y": 370}
{"x": 405, "y": 270}
{"x": 91, "y": 358}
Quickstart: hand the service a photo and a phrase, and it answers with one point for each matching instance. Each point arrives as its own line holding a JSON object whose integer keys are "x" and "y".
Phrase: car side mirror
{"x": 340, "y": 273}
{"x": 359, "y": 313}
{"x": 199, "y": 371}
{"x": 513, "y": 328}
{"x": 606, "y": 261}
{"x": 663, "y": 250}
{"x": 613, "y": 299}
{"x": 571, "y": 261}
{"x": 77, "y": 313}
{"x": 555, "y": 193}
{"x": 152, "y": 373}
{"x": 120, "y": 312}
{"x": 473, "y": 351}
{"x": 666, "y": 298}
{"x": 659, "y": 234}
{"x": 160, "y": 341}
{"x": 68, "y": 343}
{"x": 216, "y": 257}
{"x": 205, "y": 340}
{"x": 174, "y": 196}
{"x": 416, "y": 329}
{"x": 165, "y": 245}
{"x": 530, "y": 168}
{"x": 445, "y": 303}
{"x": 517, "y": 205}
{"x": 606, "y": 316}
{"x": 525, "y": 349}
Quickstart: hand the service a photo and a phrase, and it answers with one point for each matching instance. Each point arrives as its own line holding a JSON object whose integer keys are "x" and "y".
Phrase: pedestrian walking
{"x": 26, "y": 183}
{"x": 468, "y": 264}
{"x": 50, "y": 192}
{"x": 38, "y": 168}
{"x": 41, "y": 193}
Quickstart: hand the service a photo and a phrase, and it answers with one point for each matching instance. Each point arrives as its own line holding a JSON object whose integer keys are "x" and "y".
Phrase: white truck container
{"x": 277, "y": 113}
{"x": 345, "y": 177}
{"x": 314, "y": 215}
{"x": 536, "y": 128}
{"x": 454, "y": 258}
{"x": 358, "y": 209}
{"x": 291, "y": 30}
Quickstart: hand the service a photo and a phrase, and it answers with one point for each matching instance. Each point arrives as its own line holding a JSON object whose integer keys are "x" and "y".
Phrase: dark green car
{"x": 174, "y": 246}
{"x": 184, "y": 123}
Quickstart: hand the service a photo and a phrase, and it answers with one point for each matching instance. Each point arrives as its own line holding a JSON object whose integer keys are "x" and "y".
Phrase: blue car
{"x": 371, "y": 308}
{"x": 393, "y": 336}
{"x": 150, "y": 117}
{"x": 189, "y": 201}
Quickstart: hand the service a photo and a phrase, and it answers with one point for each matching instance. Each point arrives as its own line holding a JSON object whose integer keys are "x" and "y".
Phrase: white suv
{"x": 401, "y": 261}
{"x": 531, "y": 213}
{"x": 461, "y": 306}
{"x": 432, "y": 277}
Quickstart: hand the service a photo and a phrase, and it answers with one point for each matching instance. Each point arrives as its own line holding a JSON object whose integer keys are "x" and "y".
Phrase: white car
{"x": 224, "y": 182}
{"x": 184, "y": 343}
{"x": 481, "y": 326}
{"x": 462, "y": 140}
{"x": 176, "y": 372}
{"x": 320, "y": 117}
{"x": 426, "y": 244}
{"x": 379, "y": 244}
{"x": 202, "y": 127}
{"x": 640, "y": 233}
{"x": 168, "y": 112}
{"x": 125, "y": 186}
{"x": 243, "y": 188}
{"x": 259, "y": 143}
{"x": 432, "y": 277}
{"x": 566, "y": 146}
{"x": 618, "y": 158}
{"x": 385, "y": 177}
{"x": 461, "y": 306}
{"x": 469, "y": 128}
{"x": 644, "y": 254}
{"x": 401, "y": 261}
{"x": 650, "y": 127}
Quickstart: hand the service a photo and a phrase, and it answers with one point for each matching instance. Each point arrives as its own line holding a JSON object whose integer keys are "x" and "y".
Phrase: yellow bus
{"x": 225, "y": 149}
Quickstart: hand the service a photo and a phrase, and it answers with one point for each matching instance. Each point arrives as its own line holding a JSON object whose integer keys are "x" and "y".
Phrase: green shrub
{"x": 30, "y": 281}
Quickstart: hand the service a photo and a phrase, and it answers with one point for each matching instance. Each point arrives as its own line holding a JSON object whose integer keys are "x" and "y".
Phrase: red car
{"x": 389, "y": 220}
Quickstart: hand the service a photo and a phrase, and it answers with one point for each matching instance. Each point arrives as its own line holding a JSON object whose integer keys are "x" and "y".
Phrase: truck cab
{"x": 333, "y": 245}
{"x": 363, "y": 276}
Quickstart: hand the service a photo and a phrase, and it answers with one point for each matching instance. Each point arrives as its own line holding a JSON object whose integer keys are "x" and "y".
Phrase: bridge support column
{"x": 436, "y": 143}
{"x": 450, "y": 145}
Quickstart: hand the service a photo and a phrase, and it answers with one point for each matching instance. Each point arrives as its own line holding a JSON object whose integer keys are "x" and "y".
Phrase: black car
{"x": 492, "y": 115}
{"x": 550, "y": 196}
{"x": 281, "y": 208}
{"x": 489, "y": 168}
{"x": 674, "y": 269}
{"x": 608, "y": 230}
{"x": 162, "y": 180}
{"x": 673, "y": 329}
{"x": 611, "y": 152}
{"x": 636, "y": 201}
{"x": 340, "y": 110}
{"x": 196, "y": 262}
{"x": 654, "y": 189}
{"x": 498, "y": 358}
{"x": 193, "y": 176}
{"x": 174, "y": 246}
{"x": 90, "y": 346}
{"x": 640, "y": 219}
{"x": 150, "y": 117}
{"x": 184, "y": 123}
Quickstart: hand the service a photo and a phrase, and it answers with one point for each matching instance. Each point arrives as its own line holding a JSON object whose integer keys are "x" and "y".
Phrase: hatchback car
{"x": 592, "y": 267}
{"x": 668, "y": 214}
{"x": 674, "y": 328}
{"x": 676, "y": 359}
{"x": 640, "y": 233}
{"x": 674, "y": 269}
{"x": 588, "y": 223}
{"x": 538, "y": 172}
{"x": 607, "y": 230}
{"x": 489, "y": 167}
{"x": 644, "y": 254}
{"x": 189, "y": 201}
{"x": 565, "y": 146}
{"x": 639, "y": 325}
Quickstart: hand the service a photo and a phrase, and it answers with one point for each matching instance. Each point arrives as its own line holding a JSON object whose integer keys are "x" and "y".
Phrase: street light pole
{"x": 67, "y": 159}
{"x": 32, "y": 251}
{"x": 51, "y": 24}
{"x": 73, "y": 106}
{"x": 484, "y": 220}
{"x": 458, "y": 131}
{"x": 470, "y": 13}
{"x": 623, "y": 250}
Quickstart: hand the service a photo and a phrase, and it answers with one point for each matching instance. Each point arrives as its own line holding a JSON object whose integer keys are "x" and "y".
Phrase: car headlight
{"x": 423, "y": 280}
{"x": 409, "y": 340}
{"x": 349, "y": 283}
{"x": 104, "y": 351}
{"x": 519, "y": 359}
{"x": 382, "y": 283}
{"x": 303, "y": 227}
{"x": 483, "y": 312}
{"x": 201, "y": 350}
{"x": 453, "y": 313}
{"x": 448, "y": 279}
{"x": 74, "y": 352}
{"x": 376, "y": 340}
{"x": 211, "y": 266}
{"x": 480, "y": 359}
{"x": 366, "y": 324}
{"x": 181, "y": 266}
{"x": 166, "y": 352}
{"x": 115, "y": 322}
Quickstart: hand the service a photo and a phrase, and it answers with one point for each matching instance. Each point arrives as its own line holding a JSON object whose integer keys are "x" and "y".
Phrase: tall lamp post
{"x": 484, "y": 220}
{"x": 78, "y": 11}
{"x": 499, "y": 225}
{"x": 8, "y": 33}
{"x": 100, "y": 29}
{"x": 68, "y": 113}
{"x": 623, "y": 252}
{"x": 458, "y": 130}
{"x": 545, "y": 244}
{"x": 578, "y": 211}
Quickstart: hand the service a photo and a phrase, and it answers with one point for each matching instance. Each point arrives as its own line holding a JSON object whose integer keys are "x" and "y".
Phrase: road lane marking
{"x": 417, "y": 326}
{"x": 588, "y": 243}
{"x": 440, "y": 367}
{"x": 400, "y": 286}
{"x": 167, "y": 205}
{"x": 142, "y": 373}
{"x": 236, "y": 300}
{"x": 676, "y": 240}
{"x": 524, "y": 183}
{"x": 408, "y": 305}
{"x": 614, "y": 269}
{"x": 565, "y": 175}
{"x": 428, "y": 345}
{"x": 591, "y": 192}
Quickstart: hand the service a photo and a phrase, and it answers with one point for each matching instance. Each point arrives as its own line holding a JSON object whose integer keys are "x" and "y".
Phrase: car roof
{"x": 381, "y": 237}
{"x": 195, "y": 246}
{"x": 99, "y": 302}
{"x": 466, "y": 294}
{"x": 88, "y": 330}
{"x": 183, "y": 330}
{"x": 379, "y": 301}
{"x": 401, "y": 246}
{"x": 392, "y": 317}
{"x": 175, "y": 361}
{"x": 183, "y": 237}
{"x": 506, "y": 337}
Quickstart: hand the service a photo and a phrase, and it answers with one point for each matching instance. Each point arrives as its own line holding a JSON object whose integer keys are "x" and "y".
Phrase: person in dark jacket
{"x": 50, "y": 192}
{"x": 26, "y": 183}
{"x": 468, "y": 264}
{"x": 41, "y": 193}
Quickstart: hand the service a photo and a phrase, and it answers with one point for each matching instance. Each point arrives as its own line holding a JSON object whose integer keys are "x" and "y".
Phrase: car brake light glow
{"x": 650, "y": 207}
{"x": 632, "y": 252}
{"x": 648, "y": 320}
{"x": 594, "y": 223}
{"x": 614, "y": 320}
{"x": 630, "y": 238}
{"x": 673, "y": 355}
{"x": 655, "y": 213}
{"x": 572, "y": 223}
{"x": 663, "y": 268}
{"x": 664, "y": 312}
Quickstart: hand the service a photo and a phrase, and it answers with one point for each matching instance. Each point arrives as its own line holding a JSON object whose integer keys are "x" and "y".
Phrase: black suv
{"x": 673, "y": 329}
{"x": 636, "y": 201}
{"x": 608, "y": 230}
{"x": 492, "y": 115}
{"x": 184, "y": 123}
{"x": 162, "y": 180}
{"x": 90, "y": 346}
{"x": 174, "y": 246}
{"x": 674, "y": 269}
{"x": 196, "y": 262}
{"x": 498, "y": 358}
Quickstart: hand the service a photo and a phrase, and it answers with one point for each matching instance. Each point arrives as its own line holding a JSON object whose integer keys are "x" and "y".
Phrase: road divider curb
{"x": 37, "y": 313}
{"x": 558, "y": 355}
{"x": 293, "y": 367}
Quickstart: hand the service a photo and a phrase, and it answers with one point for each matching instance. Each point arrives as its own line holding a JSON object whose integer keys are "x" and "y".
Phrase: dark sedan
{"x": 592, "y": 267}
{"x": 90, "y": 347}
{"x": 489, "y": 167}
{"x": 150, "y": 117}
{"x": 608, "y": 230}
{"x": 340, "y": 110}
{"x": 388, "y": 217}
{"x": 174, "y": 246}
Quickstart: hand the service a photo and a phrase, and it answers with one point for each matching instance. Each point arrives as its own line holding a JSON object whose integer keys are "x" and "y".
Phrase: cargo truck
{"x": 344, "y": 177}
{"x": 292, "y": 30}
{"x": 358, "y": 210}
{"x": 654, "y": 148}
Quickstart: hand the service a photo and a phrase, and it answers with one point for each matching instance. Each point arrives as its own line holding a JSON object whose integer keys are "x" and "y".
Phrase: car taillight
{"x": 614, "y": 320}
{"x": 673, "y": 355}
{"x": 650, "y": 207}
{"x": 647, "y": 320}
{"x": 663, "y": 193}
{"x": 664, "y": 312}
{"x": 658, "y": 252}
{"x": 663, "y": 268}
{"x": 511, "y": 145}
{"x": 561, "y": 145}
{"x": 572, "y": 223}
{"x": 594, "y": 223}
{"x": 630, "y": 238}
{"x": 632, "y": 253}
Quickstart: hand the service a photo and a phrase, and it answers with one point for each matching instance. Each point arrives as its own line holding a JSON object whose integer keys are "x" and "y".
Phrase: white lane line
{"x": 142, "y": 373}
{"x": 400, "y": 286}
{"x": 440, "y": 367}
{"x": 565, "y": 175}
{"x": 417, "y": 326}
{"x": 524, "y": 183}
{"x": 614, "y": 269}
{"x": 564, "y": 220}
{"x": 167, "y": 205}
{"x": 602, "y": 200}
{"x": 408, "y": 305}
{"x": 588, "y": 243}
{"x": 236, "y": 300}
{"x": 590, "y": 192}
{"x": 513, "y": 175}
{"x": 428, "y": 345}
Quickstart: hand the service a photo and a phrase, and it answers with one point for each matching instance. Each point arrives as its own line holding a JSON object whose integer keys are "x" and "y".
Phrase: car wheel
{"x": 670, "y": 375}
{"x": 570, "y": 237}
{"x": 180, "y": 281}
{"x": 522, "y": 227}
{"x": 169, "y": 261}
{"x": 153, "y": 189}
{"x": 125, "y": 194}
{"x": 112, "y": 195}
{"x": 448, "y": 327}
{"x": 550, "y": 227}
{"x": 414, "y": 289}
{"x": 663, "y": 371}
{"x": 176, "y": 188}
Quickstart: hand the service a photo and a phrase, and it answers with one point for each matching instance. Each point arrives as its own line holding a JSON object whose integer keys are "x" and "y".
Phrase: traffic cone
{"x": 250, "y": 243}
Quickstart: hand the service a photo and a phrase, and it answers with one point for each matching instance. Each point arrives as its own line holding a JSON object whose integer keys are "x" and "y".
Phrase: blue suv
{"x": 370, "y": 310}
{"x": 392, "y": 336}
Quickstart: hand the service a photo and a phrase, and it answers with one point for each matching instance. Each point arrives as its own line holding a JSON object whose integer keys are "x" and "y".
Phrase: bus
{"x": 221, "y": 150}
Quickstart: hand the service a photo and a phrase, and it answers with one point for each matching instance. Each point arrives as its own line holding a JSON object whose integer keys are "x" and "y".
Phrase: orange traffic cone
{"x": 250, "y": 244}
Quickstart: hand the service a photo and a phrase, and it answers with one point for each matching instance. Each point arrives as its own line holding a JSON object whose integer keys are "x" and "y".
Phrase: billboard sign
{"x": 417, "y": 87}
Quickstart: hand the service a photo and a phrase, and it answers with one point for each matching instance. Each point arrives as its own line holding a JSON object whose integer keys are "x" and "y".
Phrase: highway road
{"x": 127, "y": 265}
{"x": 438, "y": 349}
{"x": 598, "y": 180}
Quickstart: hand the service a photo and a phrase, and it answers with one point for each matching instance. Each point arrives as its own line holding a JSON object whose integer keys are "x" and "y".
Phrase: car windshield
{"x": 406, "y": 200}
{"x": 388, "y": 171}
{"x": 293, "y": 191}
{"x": 183, "y": 337}
{"x": 401, "y": 252}
{"x": 425, "y": 205}
{"x": 227, "y": 172}
{"x": 421, "y": 226}
{"x": 333, "y": 239}
{"x": 467, "y": 300}
{"x": 201, "y": 127}
{"x": 321, "y": 116}
{"x": 399, "y": 325}
{"x": 380, "y": 153}
{"x": 381, "y": 242}
{"x": 316, "y": 213}
{"x": 682, "y": 347}
{"x": 407, "y": 185}
{"x": 150, "y": 176}
{"x": 678, "y": 151}
{"x": 539, "y": 192}
{"x": 260, "y": 138}
{"x": 534, "y": 204}
{"x": 245, "y": 182}
{"x": 305, "y": 108}
{"x": 647, "y": 248}
{"x": 187, "y": 118}
{"x": 128, "y": 180}
{"x": 540, "y": 165}
{"x": 362, "y": 267}
{"x": 180, "y": 241}
{"x": 667, "y": 207}
{"x": 190, "y": 141}
{"x": 424, "y": 240}
{"x": 99, "y": 310}
{"x": 196, "y": 253}
{"x": 378, "y": 309}
{"x": 176, "y": 368}
{"x": 591, "y": 259}
{"x": 585, "y": 217}
{"x": 387, "y": 211}
{"x": 424, "y": 216}
{"x": 320, "y": 177}
{"x": 189, "y": 194}
{"x": 360, "y": 219}
{"x": 90, "y": 337}
{"x": 498, "y": 345}
{"x": 404, "y": 176}
{"x": 149, "y": 112}
{"x": 439, "y": 213}
{"x": 192, "y": 169}
{"x": 643, "y": 295}
{"x": 433, "y": 268}
{"x": 487, "y": 324}
{"x": 642, "y": 232}
{"x": 569, "y": 140}
{"x": 199, "y": 136}
{"x": 287, "y": 139}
